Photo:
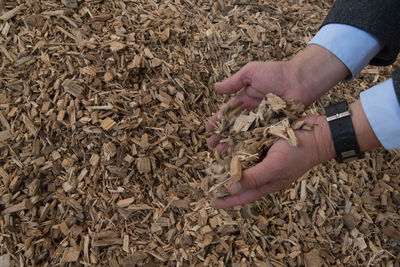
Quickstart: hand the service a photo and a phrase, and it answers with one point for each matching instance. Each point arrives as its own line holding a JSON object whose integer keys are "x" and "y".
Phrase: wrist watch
{"x": 344, "y": 138}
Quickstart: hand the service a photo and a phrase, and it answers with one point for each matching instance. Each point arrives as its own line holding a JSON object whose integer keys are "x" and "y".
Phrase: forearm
{"x": 316, "y": 70}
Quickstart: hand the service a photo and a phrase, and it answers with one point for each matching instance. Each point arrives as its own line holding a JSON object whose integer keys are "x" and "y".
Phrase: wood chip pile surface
{"x": 103, "y": 151}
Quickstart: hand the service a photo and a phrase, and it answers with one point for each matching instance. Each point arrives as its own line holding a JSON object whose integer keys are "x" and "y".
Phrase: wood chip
{"x": 30, "y": 126}
{"x": 24, "y": 205}
{"x": 107, "y": 124}
{"x": 70, "y": 255}
{"x": 72, "y": 88}
{"x": 235, "y": 169}
{"x": 11, "y": 13}
{"x": 123, "y": 203}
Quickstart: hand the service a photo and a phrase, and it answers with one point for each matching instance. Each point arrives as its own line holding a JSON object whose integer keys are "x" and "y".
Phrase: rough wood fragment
{"x": 72, "y": 88}
{"x": 391, "y": 232}
{"x": 277, "y": 104}
{"x": 313, "y": 258}
{"x": 107, "y": 123}
{"x": 35, "y": 20}
{"x": 107, "y": 242}
{"x": 123, "y": 203}
{"x": 11, "y": 13}
{"x": 24, "y": 205}
{"x": 125, "y": 245}
{"x": 29, "y": 125}
{"x": 70, "y": 254}
{"x": 136, "y": 258}
{"x": 33, "y": 187}
{"x": 235, "y": 169}
{"x": 5, "y": 135}
{"x": 143, "y": 164}
{"x": 86, "y": 248}
{"x": 5, "y": 260}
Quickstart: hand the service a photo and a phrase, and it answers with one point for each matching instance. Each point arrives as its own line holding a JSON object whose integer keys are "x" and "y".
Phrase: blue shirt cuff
{"x": 383, "y": 112}
{"x": 354, "y": 47}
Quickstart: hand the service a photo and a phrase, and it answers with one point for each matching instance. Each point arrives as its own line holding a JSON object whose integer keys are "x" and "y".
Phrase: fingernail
{"x": 235, "y": 188}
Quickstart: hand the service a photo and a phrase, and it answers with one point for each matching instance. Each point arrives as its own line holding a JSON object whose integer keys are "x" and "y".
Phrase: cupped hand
{"x": 283, "y": 165}
{"x": 253, "y": 82}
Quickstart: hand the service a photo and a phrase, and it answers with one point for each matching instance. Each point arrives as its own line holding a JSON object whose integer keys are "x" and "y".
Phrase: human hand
{"x": 253, "y": 82}
{"x": 283, "y": 165}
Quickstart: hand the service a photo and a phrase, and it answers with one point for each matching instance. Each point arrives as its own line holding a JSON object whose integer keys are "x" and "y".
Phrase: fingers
{"x": 237, "y": 81}
{"x": 256, "y": 176}
{"x": 244, "y": 197}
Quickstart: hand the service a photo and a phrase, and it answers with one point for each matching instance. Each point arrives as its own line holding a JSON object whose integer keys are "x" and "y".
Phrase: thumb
{"x": 237, "y": 81}
{"x": 256, "y": 176}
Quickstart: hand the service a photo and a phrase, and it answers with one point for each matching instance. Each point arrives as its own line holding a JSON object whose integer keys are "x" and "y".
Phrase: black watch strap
{"x": 344, "y": 138}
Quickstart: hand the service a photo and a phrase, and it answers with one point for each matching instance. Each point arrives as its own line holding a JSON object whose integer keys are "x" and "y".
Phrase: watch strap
{"x": 344, "y": 138}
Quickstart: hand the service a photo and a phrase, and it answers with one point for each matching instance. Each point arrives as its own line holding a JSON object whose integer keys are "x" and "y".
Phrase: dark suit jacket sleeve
{"x": 381, "y": 18}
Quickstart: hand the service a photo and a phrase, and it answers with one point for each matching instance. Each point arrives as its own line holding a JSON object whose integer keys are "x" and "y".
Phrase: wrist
{"x": 316, "y": 70}
{"x": 366, "y": 137}
{"x": 318, "y": 142}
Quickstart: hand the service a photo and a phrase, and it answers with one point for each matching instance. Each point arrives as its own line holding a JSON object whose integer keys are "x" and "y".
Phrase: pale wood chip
{"x": 123, "y": 203}
{"x": 277, "y": 104}
{"x": 107, "y": 123}
{"x": 235, "y": 169}
{"x": 11, "y": 13}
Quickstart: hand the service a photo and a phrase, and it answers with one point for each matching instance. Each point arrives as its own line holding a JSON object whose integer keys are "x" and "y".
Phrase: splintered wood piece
{"x": 143, "y": 164}
{"x": 123, "y": 203}
{"x": 11, "y": 13}
{"x": 302, "y": 125}
{"x": 313, "y": 258}
{"x": 70, "y": 255}
{"x": 279, "y": 130}
{"x": 29, "y": 125}
{"x": 235, "y": 169}
{"x": 4, "y": 135}
{"x": 24, "y": 205}
{"x": 108, "y": 242}
{"x": 72, "y": 88}
{"x": 136, "y": 258}
{"x": 107, "y": 123}
{"x": 292, "y": 137}
{"x": 33, "y": 187}
{"x": 70, "y": 3}
{"x": 298, "y": 124}
{"x": 234, "y": 110}
{"x": 94, "y": 159}
{"x": 391, "y": 232}
{"x": 277, "y": 104}
{"x": 136, "y": 62}
{"x": 243, "y": 122}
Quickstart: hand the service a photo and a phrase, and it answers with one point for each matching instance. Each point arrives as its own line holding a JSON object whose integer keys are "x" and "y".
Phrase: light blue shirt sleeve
{"x": 382, "y": 109}
{"x": 354, "y": 47}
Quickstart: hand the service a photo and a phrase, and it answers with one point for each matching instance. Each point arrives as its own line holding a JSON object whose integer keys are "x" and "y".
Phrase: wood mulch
{"x": 103, "y": 151}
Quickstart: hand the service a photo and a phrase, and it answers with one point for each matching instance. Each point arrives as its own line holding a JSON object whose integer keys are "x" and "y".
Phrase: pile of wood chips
{"x": 103, "y": 150}
{"x": 248, "y": 136}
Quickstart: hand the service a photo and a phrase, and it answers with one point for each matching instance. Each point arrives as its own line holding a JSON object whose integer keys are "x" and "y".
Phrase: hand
{"x": 283, "y": 165}
{"x": 253, "y": 82}
{"x": 306, "y": 77}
